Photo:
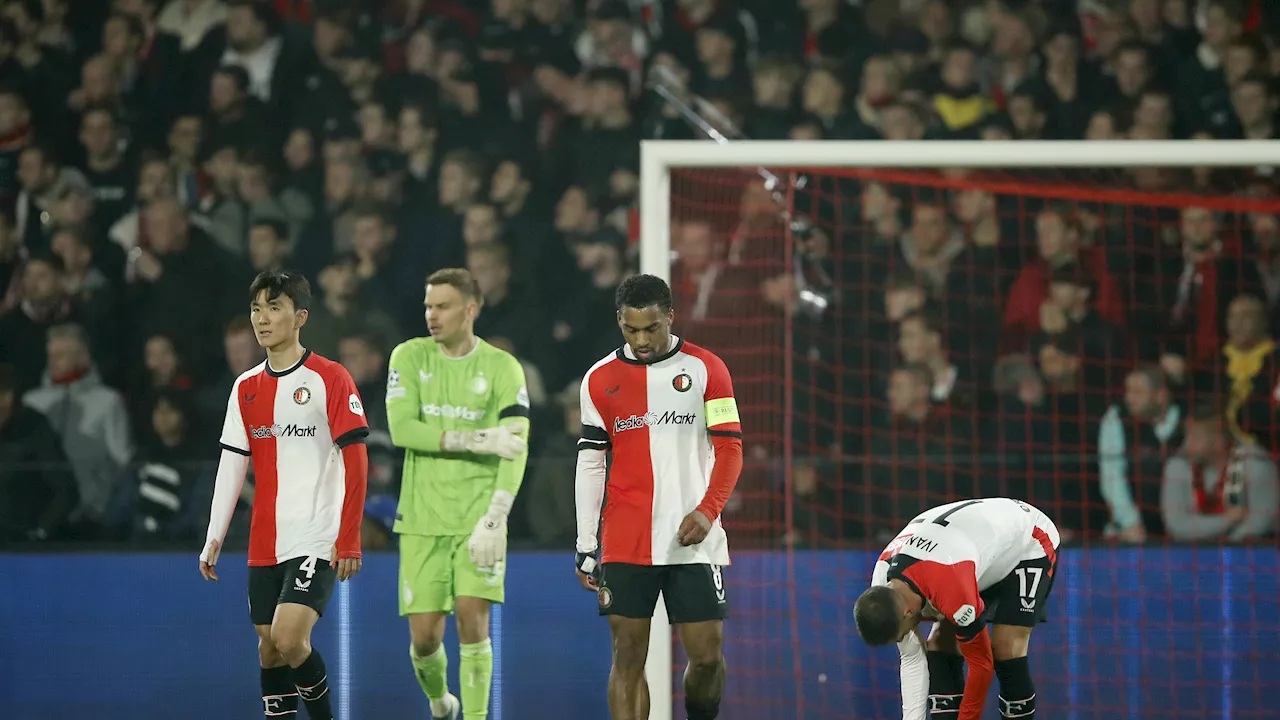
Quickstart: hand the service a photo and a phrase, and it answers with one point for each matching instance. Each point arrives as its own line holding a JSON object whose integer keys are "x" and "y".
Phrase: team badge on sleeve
{"x": 394, "y": 390}
{"x": 353, "y": 402}
{"x": 302, "y": 396}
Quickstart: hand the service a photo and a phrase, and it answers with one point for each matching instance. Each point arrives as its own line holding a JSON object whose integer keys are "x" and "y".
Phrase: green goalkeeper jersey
{"x": 430, "y": 393}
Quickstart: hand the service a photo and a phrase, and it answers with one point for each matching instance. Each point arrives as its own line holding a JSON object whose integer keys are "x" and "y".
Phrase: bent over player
{"x": 298, "y": 417}
{"x": 966, "y": 565}
{"x": 665, "y": 408}
{"x": 460, "y": 409}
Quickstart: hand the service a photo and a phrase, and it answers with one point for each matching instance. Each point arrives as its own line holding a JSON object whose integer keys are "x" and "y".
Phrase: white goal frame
{"x": 659, "y": 157}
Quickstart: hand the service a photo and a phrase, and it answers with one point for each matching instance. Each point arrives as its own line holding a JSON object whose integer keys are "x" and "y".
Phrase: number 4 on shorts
{"x": 308, "y": 566}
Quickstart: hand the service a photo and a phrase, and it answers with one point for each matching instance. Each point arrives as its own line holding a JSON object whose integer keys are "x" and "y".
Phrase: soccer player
{"x": 665, "y": 408}
{"x": 298, "y": 418}
{"x": 965, "y": 565}
{"x": 460, "y": 409}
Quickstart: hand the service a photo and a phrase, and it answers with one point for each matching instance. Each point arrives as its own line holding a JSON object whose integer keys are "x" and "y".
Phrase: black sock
{"x": 313, "y": 686}
{"x": 946, "y": 684}
{"x": 701, "y": 710}
{"x": 279, "y": 697}
{"x": 1017, "y": 689}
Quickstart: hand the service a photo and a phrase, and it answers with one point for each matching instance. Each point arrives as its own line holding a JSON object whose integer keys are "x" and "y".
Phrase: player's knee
{"x": 1009, "y": 641}
{"x": 473, "y": 624}
{"x": 1017, "y": 689}
{"x": 293, "y": 647}
{"x": 268, "y": 655}
{"x": 630, "y": 653}
{"x": 426, "y": 632}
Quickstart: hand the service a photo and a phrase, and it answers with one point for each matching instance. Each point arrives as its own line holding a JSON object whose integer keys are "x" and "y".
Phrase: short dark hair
{"x": 641, "y": 291}
{"x": 461, "y": 279}
{"x": 288, "y": 283}
{"x": 277, "y": 226}
{"x": 876, "y": 615}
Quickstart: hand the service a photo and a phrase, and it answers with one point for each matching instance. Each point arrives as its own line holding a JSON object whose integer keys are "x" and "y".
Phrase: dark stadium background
{"x": 154, "y": 155}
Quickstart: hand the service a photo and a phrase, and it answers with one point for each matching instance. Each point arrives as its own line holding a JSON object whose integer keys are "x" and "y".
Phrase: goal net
{"x": 911, "y": 324}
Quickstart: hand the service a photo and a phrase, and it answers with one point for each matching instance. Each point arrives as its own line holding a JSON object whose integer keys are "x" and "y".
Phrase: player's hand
{"x": 693, "y": 529}
{"x": 501, "y": 441}
{"x": 586, "y": 566}
{"x": 488, "y": 543}
{"x": 209, "y": 559}
{"x": 346, "y": 567}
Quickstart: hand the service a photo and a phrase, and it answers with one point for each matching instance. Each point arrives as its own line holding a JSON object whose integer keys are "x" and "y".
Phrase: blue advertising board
{"x": 1133, "y": 634}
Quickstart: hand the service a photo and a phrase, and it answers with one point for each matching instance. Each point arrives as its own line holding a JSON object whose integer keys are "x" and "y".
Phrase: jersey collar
{"x": 281, "y": 373}
{"x": 624, "y": 353}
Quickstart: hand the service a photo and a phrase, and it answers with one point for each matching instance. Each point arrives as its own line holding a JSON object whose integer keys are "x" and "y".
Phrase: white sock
{"x": 445, "y": 705}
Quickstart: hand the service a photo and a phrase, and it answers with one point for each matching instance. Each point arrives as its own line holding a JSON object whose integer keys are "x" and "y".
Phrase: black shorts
{"x": 692, "y": 593}
{"x": 305, "y": 580}
{"x": 1023, "y": 596}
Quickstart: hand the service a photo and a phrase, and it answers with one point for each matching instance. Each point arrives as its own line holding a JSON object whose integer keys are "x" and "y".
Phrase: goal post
{"x": 660, "y": 159}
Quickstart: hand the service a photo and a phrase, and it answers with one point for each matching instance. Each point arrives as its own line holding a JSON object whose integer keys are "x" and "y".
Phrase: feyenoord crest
{"x": 302, "y": 396}
{"x": 682, "y": 382}
{"x": 479, "y": 384}
{"x": 606, "y": 598}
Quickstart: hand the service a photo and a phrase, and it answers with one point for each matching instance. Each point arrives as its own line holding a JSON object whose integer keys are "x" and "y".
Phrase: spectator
{"x": 921, "y": 342}
{"x": 1135, "y": 440}
{"x": 1057, "y": 234}
{"x": 91, "y": 421}
{"x": 178, "y": 285}
{"x": 268, "y": 245}
{"x": 1217, "y": 487}
{"x": 508, "y": 310}
{"x": 915, "y": 456}
{"x": 168, "y": 481}
{"x": 1193, "y": 292}
{"x": 1251, "y": 372}
{"x": 37, "y": 493}
{"x": 343, "y": 311}
{"x": 191, "y": 20}
{"x": 42, "y": 304}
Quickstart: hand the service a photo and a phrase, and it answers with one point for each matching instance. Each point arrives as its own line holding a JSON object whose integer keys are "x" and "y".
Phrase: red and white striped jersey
{"x": 292, "y": 424}
{"x": 953, "y": 552}
{"x": 658, "y": 419}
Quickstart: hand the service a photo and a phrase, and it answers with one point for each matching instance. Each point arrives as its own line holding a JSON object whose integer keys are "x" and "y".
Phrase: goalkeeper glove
{"x": 488, "y": 543}
{"x": 501, "y": 441}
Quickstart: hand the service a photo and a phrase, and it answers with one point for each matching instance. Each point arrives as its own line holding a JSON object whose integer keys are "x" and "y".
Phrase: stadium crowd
{"x": 155, "y": 155}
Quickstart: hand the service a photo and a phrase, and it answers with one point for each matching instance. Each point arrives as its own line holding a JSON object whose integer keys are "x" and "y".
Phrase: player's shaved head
{"x": 877, "y": 615}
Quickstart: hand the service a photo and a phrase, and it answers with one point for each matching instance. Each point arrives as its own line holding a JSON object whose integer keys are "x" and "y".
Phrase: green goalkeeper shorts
{"x": 435, "y": 569}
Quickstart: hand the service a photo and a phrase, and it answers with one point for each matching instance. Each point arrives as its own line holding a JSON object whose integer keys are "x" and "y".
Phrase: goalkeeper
{"x": 459, "y": 408}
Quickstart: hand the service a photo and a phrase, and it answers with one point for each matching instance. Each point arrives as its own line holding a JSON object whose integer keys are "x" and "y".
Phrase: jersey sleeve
{"x": 721, "y": 407}
{"x": 347, "y": 423}
{"x": 512, "y": 398}
{"x": 511, "y": 393}
{"x": 408, "y": 431}
{"x": 595, "y": 436}
{"x": 952, "y": 588}
{"x": 235, "y": 436}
